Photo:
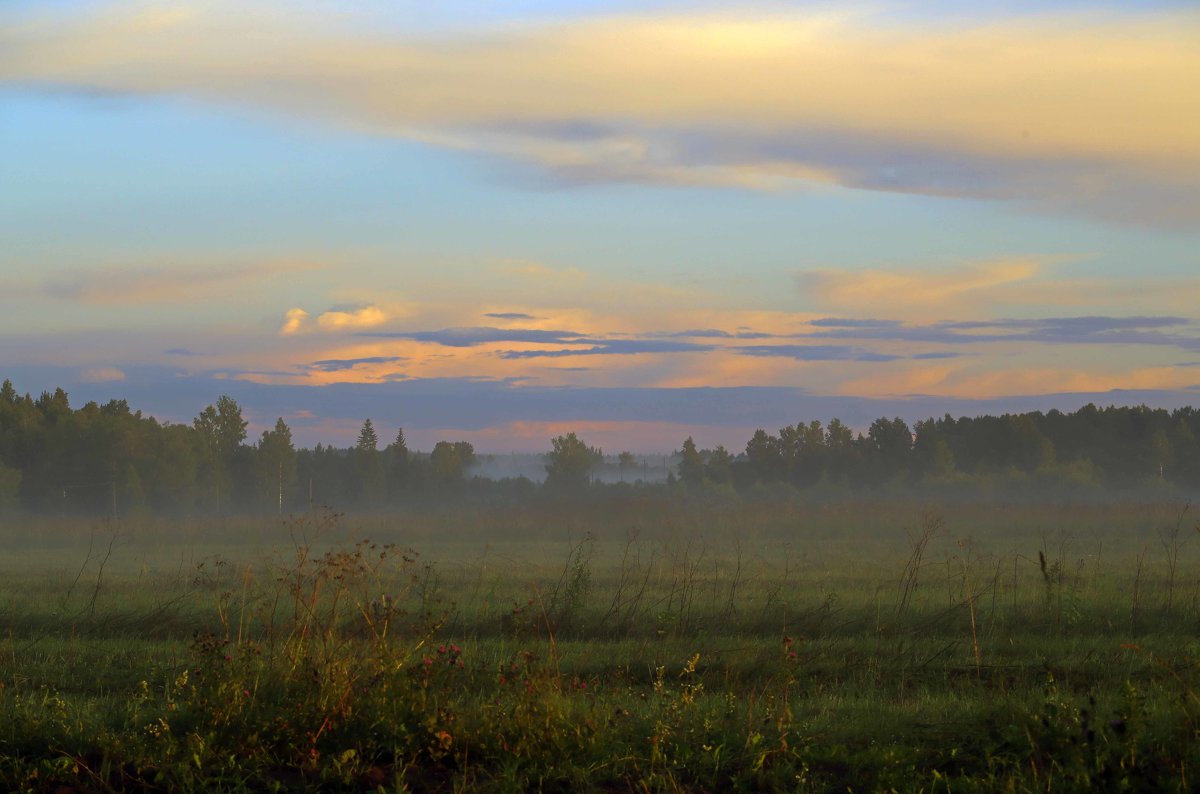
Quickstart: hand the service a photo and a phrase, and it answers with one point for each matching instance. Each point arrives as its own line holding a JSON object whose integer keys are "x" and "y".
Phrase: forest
{"x": 111, "y": 459}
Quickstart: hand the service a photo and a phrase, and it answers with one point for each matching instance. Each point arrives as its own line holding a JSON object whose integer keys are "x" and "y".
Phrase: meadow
{"x": 743, "y": 646}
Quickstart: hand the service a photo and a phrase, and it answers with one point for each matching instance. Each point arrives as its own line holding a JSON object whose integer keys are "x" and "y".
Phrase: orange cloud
{"x": 973, "y": 382}
{"x": 294, "y": 321}
{"x": 914, "y": 293}
{"x": 1011, "y": 286}
{"x": 363, "y": 317}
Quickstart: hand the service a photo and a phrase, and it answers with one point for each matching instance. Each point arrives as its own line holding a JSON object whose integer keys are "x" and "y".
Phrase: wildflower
{"x": 444, "y": 739}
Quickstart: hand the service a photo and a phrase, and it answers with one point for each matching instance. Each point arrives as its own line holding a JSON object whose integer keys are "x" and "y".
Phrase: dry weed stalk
{"x": 932, "y": 524}
{"x": 964, "y": 558}
{"x": 1173, "y": 540}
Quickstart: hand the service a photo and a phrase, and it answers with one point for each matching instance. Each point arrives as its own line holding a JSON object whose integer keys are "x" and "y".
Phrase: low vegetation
{"x": 864, "y": 647}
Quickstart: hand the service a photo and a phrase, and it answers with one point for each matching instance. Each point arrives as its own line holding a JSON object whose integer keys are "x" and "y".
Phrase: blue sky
{"x": 643, "y": 199}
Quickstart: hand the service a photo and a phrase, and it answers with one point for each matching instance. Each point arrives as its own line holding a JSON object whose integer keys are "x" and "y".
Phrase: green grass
{"x": 800, "y": 648}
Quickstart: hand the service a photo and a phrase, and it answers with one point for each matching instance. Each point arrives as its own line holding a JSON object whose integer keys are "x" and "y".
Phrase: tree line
{"x": 110, "y": 459}
{"x": 1119, "y": 448}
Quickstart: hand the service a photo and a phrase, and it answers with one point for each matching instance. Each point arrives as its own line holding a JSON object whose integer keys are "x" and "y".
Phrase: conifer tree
{"x": 368, "y": 440}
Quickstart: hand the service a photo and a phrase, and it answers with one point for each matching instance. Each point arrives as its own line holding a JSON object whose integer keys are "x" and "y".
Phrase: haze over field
{"x": 503, "y": 222}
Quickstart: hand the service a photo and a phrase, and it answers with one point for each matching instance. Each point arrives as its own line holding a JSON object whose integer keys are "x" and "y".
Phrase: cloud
{"x": 478, "y": 335}
{"x": 840, "y": 348}
{"x": 816, "y": 353}
{"x": 1023, "y": 284}
{"x": 912, "y": 291}
{"x": 1073, "y": 326}
{"x": 509, "y": 316}
{"x": 295, "y": 320}
{"x": 349, "y": 319}
{"x": 612, "y": 347}
{"x": 168, "y": 283}
{"x": 1084, "y": 330}
{"x": 698, "y": 333}
{"x": 951, "y": 382}
{"x": 588, "y": 345}
{"x": 1082, "y": 112}
{"x": 181, "y": 351}
{"x": 337, "y": 365}
{"x": 842, "y": 322}
{"x": 101, "y": 375}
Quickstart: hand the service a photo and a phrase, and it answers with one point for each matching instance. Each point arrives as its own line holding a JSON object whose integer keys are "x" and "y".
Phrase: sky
{"x": 499, "y": 222}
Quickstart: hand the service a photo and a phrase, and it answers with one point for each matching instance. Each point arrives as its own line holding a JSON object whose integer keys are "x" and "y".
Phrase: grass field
{"x": 733, "y": 647}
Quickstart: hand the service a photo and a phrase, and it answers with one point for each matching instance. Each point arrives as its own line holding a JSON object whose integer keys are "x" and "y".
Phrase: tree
{"x": 719, "y": 468}
{"x": 222, "y": 426}
{"x": 325, "y": 472}
{"x": 368, "y": 441}
{"x": 926, "y": 456}
{"x": 54, "y": 407}
{"x": 892, "y": 438}
{"x": 625, "y": 460}
{"x": 837, "y": 435}
{"x": 691, "y": 464}
{"x": 570, "y": 462}
{"x": 1029, "y": 449}
{"x": 1160, "y": 447}
{"x": 889, "y": 444}
{"x": 275, "y": 460}
{"x": 398, "y": 459}
{"x": 802, "y": 451}
{"x": 942, "y": 464}
{"x": 171, "y": 479}
{"x": 222, "y": 430}
{"x": 449, "y": 461}
{"x": 762, "y": 455}
{"x": 367, "y": 469}
{"x": 10, "y": 487}
{"x": 1184, "y": 451}
{"x": 129, "y": 491}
